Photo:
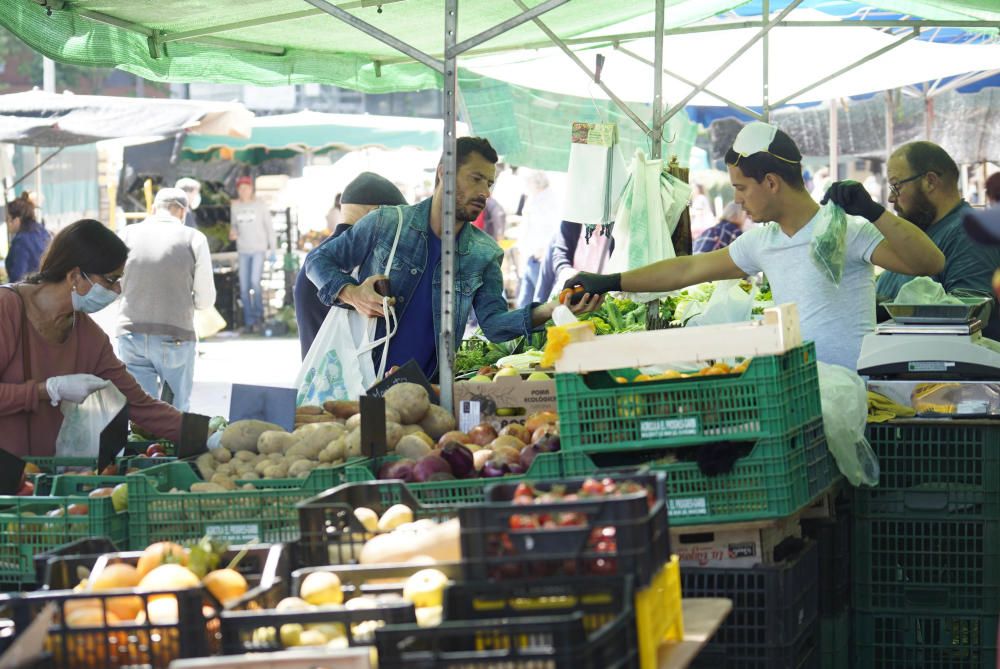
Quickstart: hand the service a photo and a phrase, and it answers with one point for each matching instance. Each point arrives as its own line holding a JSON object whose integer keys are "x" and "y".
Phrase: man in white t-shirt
{"x": 766, "y": 172}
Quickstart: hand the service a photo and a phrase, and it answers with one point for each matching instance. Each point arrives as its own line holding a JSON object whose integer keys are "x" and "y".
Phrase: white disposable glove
{"x": 73, "y": 387}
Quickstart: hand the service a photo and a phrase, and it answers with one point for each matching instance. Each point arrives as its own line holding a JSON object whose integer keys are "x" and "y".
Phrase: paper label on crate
{"x": 688, "y": 506}
{"x": 468, "y": 415}
{"x": 235, "y": 533}
{"x": 660, "y": 428}
{"x": 930, "y": 366}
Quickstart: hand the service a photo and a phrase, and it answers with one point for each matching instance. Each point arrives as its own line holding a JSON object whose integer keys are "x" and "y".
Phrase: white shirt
{"x": 836, "y": 318}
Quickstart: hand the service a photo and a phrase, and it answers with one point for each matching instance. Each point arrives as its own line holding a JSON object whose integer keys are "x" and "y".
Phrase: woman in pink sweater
{"x": 52, "y": 352}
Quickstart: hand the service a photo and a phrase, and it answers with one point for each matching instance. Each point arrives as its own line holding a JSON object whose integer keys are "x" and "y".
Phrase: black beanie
{"x": 369, "y": 188}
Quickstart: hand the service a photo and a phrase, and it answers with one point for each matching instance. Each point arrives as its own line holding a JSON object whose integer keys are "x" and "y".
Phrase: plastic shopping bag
{"x": 828, "y": 248}
{"x": 80, "y": 434}
{"x": 728, "y": 304}
{"x": 845, "y": 412}
{"x": 339, "y": 364}
{"x": 924, "y": 290}
{"x": 208, "y": 322}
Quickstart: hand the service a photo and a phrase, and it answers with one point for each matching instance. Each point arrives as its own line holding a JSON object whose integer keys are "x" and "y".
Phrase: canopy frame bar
{"x": 861, "y": 61}
{"x": 964, "y": 80}
{"x": 449, "y": 178}
{"x": 656, "y": 150}
{"x": 502, "y": 27}
{"x": 732, "y": 59}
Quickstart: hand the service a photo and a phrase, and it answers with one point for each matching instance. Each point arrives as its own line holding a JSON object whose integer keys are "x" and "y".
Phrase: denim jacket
{"x": 478, "y": 279}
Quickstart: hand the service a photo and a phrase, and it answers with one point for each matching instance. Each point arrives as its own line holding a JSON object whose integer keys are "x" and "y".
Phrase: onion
{"x": 494, "y": 469}
{"x": 528, "y": 455}
{"x": 429, "y": 465}
{"x": 397, "y": 469}
{"x": 549, "y": 443}
{"x": 482, "y": 434}
{"x": 460, "y": 459}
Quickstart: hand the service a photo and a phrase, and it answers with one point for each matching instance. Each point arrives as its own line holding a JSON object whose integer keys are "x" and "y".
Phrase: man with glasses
{"x": 168, "y": 275}
{"x": 923, "y": 187}
{"x": 765, "y": 169}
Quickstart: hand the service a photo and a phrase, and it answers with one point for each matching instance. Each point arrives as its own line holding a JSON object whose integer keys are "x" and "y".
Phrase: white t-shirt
{"x": 836, "y": 318}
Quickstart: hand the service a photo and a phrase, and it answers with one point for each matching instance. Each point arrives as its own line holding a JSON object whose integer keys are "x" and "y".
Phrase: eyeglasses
{"x": 111, "y": 281}
{"x": 894, "y": 187}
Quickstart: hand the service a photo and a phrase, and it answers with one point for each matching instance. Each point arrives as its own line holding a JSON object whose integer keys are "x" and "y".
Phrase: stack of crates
{"x": 831, "y": 530}
{"x": 745, "y": 455}
{"x": 926, "y": 547}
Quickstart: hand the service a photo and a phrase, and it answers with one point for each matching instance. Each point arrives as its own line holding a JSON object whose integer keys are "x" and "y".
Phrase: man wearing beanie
{"x": 366, "y": 193}
{"x": 765, "y": 170}
{"x": 167, "y": 276}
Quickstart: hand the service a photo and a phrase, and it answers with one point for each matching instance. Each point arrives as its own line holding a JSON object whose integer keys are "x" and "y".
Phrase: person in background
{"x": 191, "y": 188}
{"x": 723, "y": 233}
{"x": 416, "y": 270}
{"x": 251, "y": 229}
{"x": 702, "y": 216}
{"x": 367, "y": 192}
{"x": 168, "y": 275}
{"x": 492, "y": 220}
{"x": 29, "y": 239}
{"x": 539, "y": 222}
{"x": 984, "y": 228}
{"x": 53, "y": 352}
{"x": 765, "y": 169}
{"x": 993, "y": 190}
{"x": 924, "y": 189}
{"x": 561, "y": 260}
{"x": 335, "y": 216}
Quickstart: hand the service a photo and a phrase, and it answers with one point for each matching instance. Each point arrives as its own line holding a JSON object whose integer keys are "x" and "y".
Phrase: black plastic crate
{"x": 833, "y": 542}
{"x": 804, "y": 653}
{"x": 941, "y": 467}
{"x": 772, "y": 604}
{"x": 947, "y": 564}
{"x": 57, "y": 569}
{"x": 107, "y": 644}
{"x": 329, "y": 532}
{"x": 558, "y": 623}
{"x": 835, "y": 641}
{"x": 626, "y": 534}
{"x": 924, "y": 640}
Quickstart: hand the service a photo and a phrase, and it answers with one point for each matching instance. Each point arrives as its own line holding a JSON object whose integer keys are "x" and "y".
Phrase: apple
{"x": 506, "y": 372}
{"x": 119, "y": 497}
{"x": 425, "y": 588}
{"x": 539, "y": 376}
{"x": 110, "y": 470}
{"x": 77, "y": 509}
{"x": 27, "y": 489}
{"x": 155, "y": 451}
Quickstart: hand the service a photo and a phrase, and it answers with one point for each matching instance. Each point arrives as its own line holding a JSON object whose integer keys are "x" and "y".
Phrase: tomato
{"x": 591, "y": 487}
{"x": 523, "y": 521}
{"x": 523, "y": 489}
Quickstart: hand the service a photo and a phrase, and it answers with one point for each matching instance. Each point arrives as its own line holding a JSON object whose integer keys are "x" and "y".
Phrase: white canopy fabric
{"x": 799, "y": 56}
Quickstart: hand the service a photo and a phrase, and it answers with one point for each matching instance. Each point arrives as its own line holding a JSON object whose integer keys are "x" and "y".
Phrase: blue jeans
{"x": 529, "y": 280}
{"x": 157, "y": 359}
{"x": 251, "y": 268}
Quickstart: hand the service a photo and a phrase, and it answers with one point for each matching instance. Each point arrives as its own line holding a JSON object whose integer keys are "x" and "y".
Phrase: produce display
{"x": 715, "y": 369}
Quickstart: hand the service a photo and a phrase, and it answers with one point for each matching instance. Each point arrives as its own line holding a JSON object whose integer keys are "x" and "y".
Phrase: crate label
{"x": 468, "y": 415}
{"x": 659, "y": 428}
{"x": 930, "y": 366}
{"x": 235, "y": 533}
{"x": 689, "y": 506}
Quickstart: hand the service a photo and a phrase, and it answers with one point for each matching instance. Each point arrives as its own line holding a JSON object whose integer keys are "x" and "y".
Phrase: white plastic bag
{"x": 924, "y": 290}
{"x": 728, "y": 304}
{"x": 208, "y": 322}
{"x": 339, "y": 364}
{"x": 80, "y": 433}
{"x": 828, "y": 248}
{"x": 845, "y": 412}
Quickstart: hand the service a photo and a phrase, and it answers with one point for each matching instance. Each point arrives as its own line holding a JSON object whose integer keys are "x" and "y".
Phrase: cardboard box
{"x": 735, "y": 545}
{"x": 504, "y": 401}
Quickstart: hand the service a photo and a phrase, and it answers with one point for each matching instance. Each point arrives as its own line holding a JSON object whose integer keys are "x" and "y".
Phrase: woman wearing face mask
{"x": 52, "y": 352}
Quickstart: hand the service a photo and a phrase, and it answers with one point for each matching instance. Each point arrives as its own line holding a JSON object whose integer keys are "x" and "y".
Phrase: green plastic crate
{"x": 461, "y": 492}
{"x": 939, "y": 468}
{"x": 779, "y": 476}
{"x": 27, "y": 530}
{"x": 265, "y": 514}
{"x": 931, "y": 563}
{"x": 835, "y": 641}
{"x": 914, "y": 639}
{"x": 775, "y": 395}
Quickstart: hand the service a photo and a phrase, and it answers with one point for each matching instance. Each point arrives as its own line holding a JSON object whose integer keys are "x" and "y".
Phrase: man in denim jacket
{"x": 415, "y": 276}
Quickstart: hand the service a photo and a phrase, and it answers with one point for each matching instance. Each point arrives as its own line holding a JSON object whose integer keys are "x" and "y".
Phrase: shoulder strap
{"x": 25, "y": 351}
{"x": 395, "y": 241}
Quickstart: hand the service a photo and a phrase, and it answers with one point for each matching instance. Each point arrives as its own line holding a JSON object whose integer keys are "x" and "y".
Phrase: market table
{"x": 702, "y": 617}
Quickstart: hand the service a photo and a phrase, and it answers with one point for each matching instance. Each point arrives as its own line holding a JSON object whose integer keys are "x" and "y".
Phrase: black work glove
{"x": 595, "y": 284}
{"x": 852, "y": 197}
{"x": 194, "y": 435}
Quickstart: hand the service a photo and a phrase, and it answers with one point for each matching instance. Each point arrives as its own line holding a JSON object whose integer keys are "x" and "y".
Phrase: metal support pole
{"x": 504, "y": 26}
{"x": 765, "y": 111}
{"x": 449, "y": 160}
{"x": 834, "y": 143}
{"x": 48, "y": 75}
{"x": 656, "y": 150}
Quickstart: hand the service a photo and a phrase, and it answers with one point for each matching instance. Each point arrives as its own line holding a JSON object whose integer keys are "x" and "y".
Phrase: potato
{"x": 242, "y": 468}
{"x": 309, "y": 410}
{"x": 250, "y": 476}
{"x": 205, "y": 461}
{"x": 412, "y": 429}
{"x": 317, "y": 437}
{"x": 342, "y": 408}
{"x": 225, "y": 469}
{"x": 409, "y": 400}
{"x": 246, "y": 456}
{"x": 353, "y": 423}
{"x": 275, "y": 441}
{"x": 413, "y": 447}
{"x": 300, "y": 468}
{"x": 367, "y": 517}
{"x": 395, "y": 516}
{"x": 262, "y": 465}
{"x": 334, "y": 451}
{"x": 437, "y": 421}
{"x": 275, "y": 458}
{"x": 324, "y": 417}
{"x": 224, "y": 481}
{"x": 221, "y": 454}
{"x": 352, "y": 444}
{"x": 243, "y": 434}
{"x": 393, "y": 433}
{"x": 275, "y": 472}
{"x": 208, "y": 486}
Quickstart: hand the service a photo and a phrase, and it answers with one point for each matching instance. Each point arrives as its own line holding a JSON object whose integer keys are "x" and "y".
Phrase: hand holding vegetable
{"x": 594, "y": 284}
{"x": 365, "y": 298}
{"x": 852, "y": 197}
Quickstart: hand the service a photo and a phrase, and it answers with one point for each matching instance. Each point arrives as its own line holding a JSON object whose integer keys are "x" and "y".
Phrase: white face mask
{"x": 97, "y": 298}
{"x": 754, "y": 138}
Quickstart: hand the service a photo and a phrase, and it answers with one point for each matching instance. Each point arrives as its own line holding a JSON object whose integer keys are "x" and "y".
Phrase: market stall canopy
{"x": 37, "y": 118}
{"x": 288, "y": 134}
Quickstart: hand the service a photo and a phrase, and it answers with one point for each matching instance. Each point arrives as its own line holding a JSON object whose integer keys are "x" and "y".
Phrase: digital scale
{"x": 934, "y": 359}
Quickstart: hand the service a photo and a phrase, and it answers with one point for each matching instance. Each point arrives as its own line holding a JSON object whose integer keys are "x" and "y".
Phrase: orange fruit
{"x": 158, "y": 554}
{"x": 226, "y": 585}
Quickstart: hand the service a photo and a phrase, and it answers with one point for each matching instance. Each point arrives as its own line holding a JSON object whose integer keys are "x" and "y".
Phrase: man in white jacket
{"x": 168, "y": 275}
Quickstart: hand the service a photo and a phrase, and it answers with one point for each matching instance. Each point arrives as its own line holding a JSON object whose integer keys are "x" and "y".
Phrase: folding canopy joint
{"x": 502, "y": 27}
